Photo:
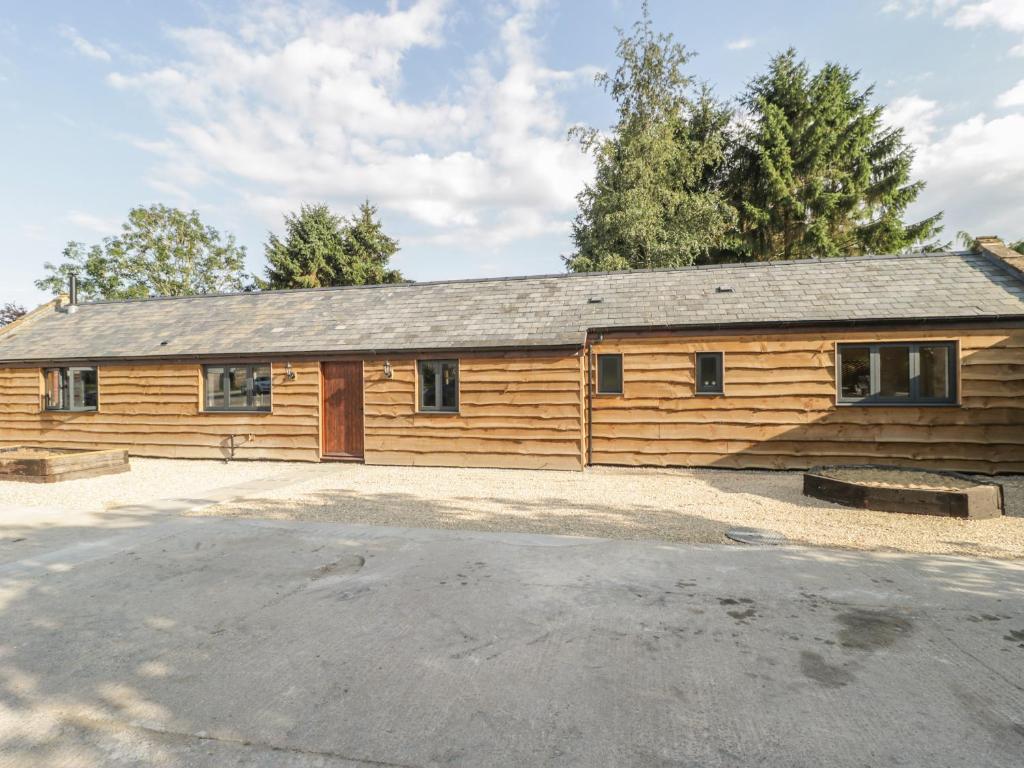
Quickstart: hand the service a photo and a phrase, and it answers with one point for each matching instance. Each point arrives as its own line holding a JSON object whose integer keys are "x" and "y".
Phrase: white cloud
{"x": 291, "y": 103}
{"x": 916, "y": 116}
{"x": 1005, "y": 14}
{"x": 974, "y": 168}
{"x": 83, "y": 46}
{"x": 97, "y": 224}
{"x": 1013, "y": 97}
{"x": 740, "y": 45}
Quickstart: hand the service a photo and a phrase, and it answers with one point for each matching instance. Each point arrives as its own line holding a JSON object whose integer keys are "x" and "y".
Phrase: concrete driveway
{"x": 141, "y": 638}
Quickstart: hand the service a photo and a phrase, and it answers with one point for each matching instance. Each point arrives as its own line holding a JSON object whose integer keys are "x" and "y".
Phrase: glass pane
{"x": 238, "y": 387}
{"x": 84, "y": 390}
{"x": 450, "y": 385}
{"x": 428, "y": 384}
{"x": 215, "y": 388}
{"x": 709, "y": 377}
{"x": 261, "y": 386}
{"x": 894, "y": 372}
{"x": 55, "y": 399}
{"x": 609, "y": 374}
{"x": 934, "y": 373}
{"x": 855, "y": 372}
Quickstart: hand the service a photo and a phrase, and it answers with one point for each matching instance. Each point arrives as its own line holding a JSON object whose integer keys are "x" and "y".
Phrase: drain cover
{"x": 755, "y": 536}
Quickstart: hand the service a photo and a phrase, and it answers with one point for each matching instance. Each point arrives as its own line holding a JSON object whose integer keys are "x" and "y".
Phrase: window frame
{"x": 65, "y": 374}
{"x": 720, "y": 358}
{"x": 250, "y": 380}
{"x": 597, "y": 375}
{"x": 914, "y": 399}
{"x": 438, "y": 406}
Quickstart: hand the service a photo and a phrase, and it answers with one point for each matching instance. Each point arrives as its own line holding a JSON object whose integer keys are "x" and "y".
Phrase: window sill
{"x": 255, "y": 411}
{"x": 70, "y": 410}
{"x": 709, "y": 394}
{"x": 862, "y": 404}
{"x": 438, "y": 413}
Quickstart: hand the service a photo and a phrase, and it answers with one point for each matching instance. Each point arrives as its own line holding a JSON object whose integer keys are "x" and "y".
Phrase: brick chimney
{"x": 997, "y": 251}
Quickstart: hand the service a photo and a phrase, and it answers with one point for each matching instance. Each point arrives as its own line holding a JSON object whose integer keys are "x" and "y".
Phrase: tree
{"x": 652, "y": 202}
{"x": 10, "y": 312}
{"x": 161, "y": 251}
{"x": 816, "y": 172}
{"x": 368, "y": 250}
{"x": 322, "y": 249}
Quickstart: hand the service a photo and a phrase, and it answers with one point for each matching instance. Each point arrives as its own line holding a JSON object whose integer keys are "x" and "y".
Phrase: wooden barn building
{"x": 911, "y": 360}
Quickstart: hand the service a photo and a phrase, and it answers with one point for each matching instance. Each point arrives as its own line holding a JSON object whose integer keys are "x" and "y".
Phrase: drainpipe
{"x": 590, "y": 403}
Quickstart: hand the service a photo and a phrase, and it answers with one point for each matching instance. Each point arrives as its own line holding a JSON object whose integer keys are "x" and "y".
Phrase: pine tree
{"x": 816, "y": 172}
{"x": 321, "y": 249}
{"x": 651, "y": 203}
{"x": 368, "y": 250}
{"x": 311, "y": 252}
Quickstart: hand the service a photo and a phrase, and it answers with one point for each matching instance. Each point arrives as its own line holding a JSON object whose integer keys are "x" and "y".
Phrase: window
{"x": 709, "y": 373}
{"x": 893, "y": 374}
{"x": 71, "y": 389}
{"x": 237, "y": 387}
{"x": 609, "y": 374}
{"x": 439, "y": 385}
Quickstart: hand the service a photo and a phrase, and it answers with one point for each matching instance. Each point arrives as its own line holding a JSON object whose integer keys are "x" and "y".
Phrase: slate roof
{"x": 555, "y": 310}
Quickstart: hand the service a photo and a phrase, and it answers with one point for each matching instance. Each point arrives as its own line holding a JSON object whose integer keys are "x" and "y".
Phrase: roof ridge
{"x": 548, "y": 276}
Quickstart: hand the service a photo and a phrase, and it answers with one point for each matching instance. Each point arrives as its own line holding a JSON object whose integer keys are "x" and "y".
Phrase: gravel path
{"x": 695, "y": 506}
{"x": 148, "y": 480}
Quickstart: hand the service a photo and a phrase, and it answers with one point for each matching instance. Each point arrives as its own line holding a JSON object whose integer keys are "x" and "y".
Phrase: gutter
{"x": 286, "y": 355}
{"x": 804, "y": 324}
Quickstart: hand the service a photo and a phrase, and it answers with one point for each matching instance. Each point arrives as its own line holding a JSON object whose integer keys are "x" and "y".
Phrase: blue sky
{"x": 450, "y": 116}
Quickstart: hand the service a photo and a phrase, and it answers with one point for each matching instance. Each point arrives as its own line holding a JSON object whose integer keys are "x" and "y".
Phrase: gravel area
{"x": 148, "y": 480}
{"x": 694, "y": 506}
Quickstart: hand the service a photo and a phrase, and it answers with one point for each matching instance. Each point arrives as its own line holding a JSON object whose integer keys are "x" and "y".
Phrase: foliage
{"x": 652, "y": 202}
{"x": 10, "y": 312}
{"x": 816, "y": 172}
{"x": 161, "y": 251}
{"x": 321, "y": 249}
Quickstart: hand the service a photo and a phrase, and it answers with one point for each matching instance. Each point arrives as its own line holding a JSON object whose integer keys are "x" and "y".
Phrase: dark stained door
{"x": 343, "y": 410}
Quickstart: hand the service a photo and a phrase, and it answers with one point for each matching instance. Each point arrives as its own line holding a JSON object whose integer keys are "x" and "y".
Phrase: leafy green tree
{"x": 10, "y": 312}
{"x": 320, "y": 249}
{"x": 816, "y": 172}
{"x": 653, "y": 202}
{"x": 96, "y": 272}
{"x": 161, "y": 251}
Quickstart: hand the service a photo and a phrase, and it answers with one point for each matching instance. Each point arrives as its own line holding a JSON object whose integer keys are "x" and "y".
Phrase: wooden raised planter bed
{"x": 965, "y": 497}
{"x": 50, "y": 465}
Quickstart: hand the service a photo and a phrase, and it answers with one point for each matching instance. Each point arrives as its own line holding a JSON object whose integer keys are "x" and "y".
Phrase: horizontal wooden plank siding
{"x": 779, "y": 408}
{"x": 515, "y": 411}
{"x": 155, "y": 410}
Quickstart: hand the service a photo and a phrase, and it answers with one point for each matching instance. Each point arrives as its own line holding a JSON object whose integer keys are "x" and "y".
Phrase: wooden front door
{"x": 343, "y": 410}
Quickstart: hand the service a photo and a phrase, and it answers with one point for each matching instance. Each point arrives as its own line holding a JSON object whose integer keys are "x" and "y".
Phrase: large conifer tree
{"x": 321, "y": 249}
{"x": 816, "y": 172}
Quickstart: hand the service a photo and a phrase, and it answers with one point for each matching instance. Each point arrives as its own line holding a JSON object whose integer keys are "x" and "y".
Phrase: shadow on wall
{"x": 984, "y": 434}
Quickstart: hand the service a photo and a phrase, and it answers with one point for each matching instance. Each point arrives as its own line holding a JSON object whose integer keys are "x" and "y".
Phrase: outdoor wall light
{"x": 289, "y": 372}
{"x": 388, "y": 372}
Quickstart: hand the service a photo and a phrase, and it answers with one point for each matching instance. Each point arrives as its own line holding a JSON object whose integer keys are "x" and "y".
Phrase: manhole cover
{"x": 755, "y": 536}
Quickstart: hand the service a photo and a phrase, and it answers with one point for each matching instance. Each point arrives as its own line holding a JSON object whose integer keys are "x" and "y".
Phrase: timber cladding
{"x": 156, "y": 410}
{"x": 516, "y": 410}
{"x": 779, "y": 407}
